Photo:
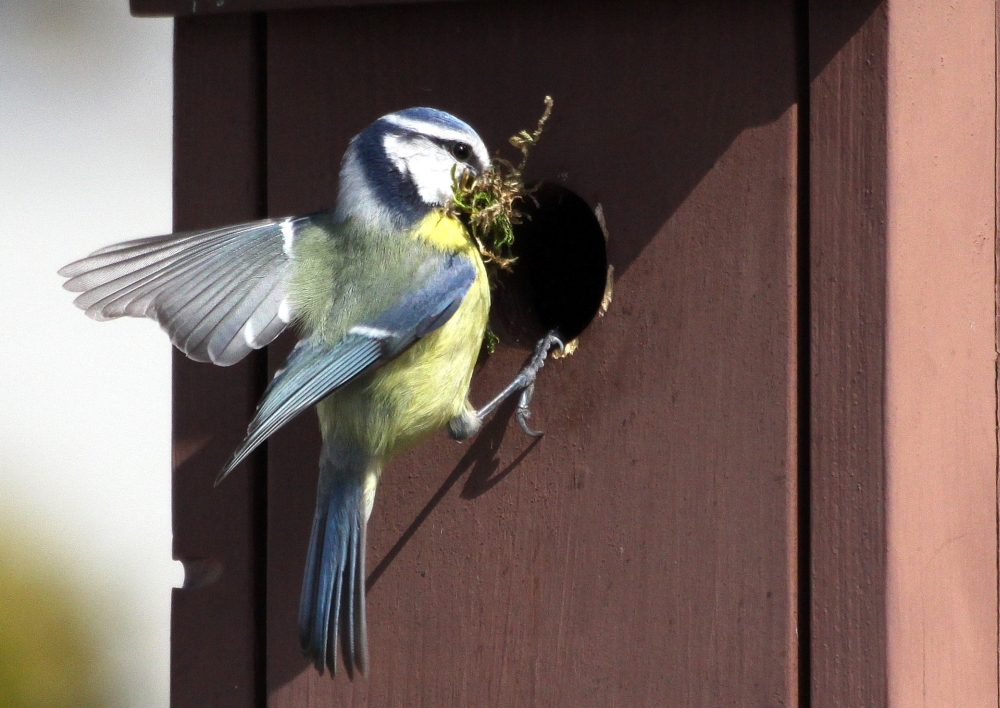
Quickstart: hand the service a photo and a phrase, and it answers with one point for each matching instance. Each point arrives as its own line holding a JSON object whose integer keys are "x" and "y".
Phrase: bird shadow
{"x": 482, "y": 464}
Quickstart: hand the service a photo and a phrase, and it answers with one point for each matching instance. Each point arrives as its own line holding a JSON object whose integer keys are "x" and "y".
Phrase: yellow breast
{"x": 422, "y": 389}
{"x": 445, "y": 233}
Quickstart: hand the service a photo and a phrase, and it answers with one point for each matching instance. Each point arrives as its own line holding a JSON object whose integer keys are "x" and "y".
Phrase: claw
{"x": 525, "y": 383}
{"x": 523, "y": 413}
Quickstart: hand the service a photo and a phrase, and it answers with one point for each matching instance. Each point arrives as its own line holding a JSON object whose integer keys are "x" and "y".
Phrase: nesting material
{"x": 488, "y": 202}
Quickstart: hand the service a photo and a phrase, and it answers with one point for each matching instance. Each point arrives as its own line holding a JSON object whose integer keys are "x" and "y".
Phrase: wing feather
{"x": 316, "y": 369}
{"x": 219, "y": 293}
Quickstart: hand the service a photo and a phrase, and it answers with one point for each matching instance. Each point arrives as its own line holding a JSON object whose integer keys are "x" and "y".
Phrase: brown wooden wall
{"x": 708, "y": 520}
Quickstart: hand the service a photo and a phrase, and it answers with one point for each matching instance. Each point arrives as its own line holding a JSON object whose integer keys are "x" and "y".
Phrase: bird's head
{"x": 404, "y": 164}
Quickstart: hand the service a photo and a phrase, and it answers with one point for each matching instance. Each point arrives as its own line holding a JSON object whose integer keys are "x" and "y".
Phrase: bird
{"x": 390, "y": 295}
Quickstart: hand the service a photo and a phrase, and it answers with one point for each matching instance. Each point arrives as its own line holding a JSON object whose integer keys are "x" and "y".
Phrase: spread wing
{"x": 315, "y": 369}
{"x": 219, "y": 294}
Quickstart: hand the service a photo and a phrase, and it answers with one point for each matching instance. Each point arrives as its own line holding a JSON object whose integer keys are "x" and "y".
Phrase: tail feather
{"x": 333, "y": 589}
{"x": 355, "y": 638}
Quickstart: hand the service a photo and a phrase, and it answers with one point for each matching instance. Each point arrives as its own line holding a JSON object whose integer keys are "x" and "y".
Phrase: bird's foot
{"x": 525, "y": 383}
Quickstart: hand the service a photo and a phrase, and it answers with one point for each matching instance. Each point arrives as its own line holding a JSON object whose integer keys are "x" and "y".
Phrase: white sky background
{"x": 85, "y": 160}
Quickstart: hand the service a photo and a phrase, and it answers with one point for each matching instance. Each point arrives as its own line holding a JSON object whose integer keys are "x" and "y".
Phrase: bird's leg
{"x": 525, "y": 383}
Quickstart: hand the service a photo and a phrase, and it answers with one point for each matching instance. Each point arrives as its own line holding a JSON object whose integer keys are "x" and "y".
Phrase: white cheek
{"x": 431, "y": 173}
{"x": 427, "y": 165}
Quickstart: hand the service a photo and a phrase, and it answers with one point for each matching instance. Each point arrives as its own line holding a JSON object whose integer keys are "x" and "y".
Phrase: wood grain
{"x": 640, "y": 553}
{"x": 941, "y": 446}
{"x": 217, "y": 180}
{"x": 847, "y": 242}
{"x": 645, "y": 552}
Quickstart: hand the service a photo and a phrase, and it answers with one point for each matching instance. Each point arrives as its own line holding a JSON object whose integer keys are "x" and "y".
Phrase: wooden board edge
{"x": 188, "y": 8}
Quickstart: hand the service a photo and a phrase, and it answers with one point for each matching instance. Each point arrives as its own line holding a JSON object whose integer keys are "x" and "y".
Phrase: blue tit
{"x": 392, "y": 298}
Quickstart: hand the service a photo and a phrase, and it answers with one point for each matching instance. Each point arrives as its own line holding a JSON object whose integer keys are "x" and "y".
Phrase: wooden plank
{"x": 218, "y": 179}
{"x": 941, "y": 445}
{"x": 643, "y": 552}
{"x": 847, "y": 216}
{"x": 187, "y": 8}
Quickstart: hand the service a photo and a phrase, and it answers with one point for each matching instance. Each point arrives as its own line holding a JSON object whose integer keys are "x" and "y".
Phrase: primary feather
{"x": 315, "y": 369}
{"x": 392, "y": 298}
{"x": 219, "y": 294}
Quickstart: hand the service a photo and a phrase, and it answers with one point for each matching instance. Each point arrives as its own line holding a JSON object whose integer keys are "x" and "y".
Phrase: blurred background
{"x": 85, "y": 557}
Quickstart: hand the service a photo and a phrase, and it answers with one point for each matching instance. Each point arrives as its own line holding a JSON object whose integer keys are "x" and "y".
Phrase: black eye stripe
{"x": 458, "y": 149}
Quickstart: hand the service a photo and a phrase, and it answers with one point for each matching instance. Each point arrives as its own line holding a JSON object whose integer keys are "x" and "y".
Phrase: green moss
{"x": 490, "y": 340}
{"x": 488, "y": 202}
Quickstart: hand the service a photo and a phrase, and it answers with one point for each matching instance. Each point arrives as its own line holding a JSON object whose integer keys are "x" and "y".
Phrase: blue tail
{"x": 333, "y": 590}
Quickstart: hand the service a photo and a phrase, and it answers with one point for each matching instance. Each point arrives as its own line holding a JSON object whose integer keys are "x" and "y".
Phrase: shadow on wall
{"x": 648, "y": 100}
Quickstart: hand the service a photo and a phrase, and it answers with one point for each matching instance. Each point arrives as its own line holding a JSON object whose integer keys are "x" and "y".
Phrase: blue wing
{"x": 315, "y": 369}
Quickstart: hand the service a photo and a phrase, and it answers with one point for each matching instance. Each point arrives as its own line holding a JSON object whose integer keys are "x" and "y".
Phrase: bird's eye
{"x": 461, "y": 151}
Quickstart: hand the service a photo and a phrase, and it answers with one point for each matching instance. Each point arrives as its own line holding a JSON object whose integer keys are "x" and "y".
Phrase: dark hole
{"x": 561, "y": 270}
